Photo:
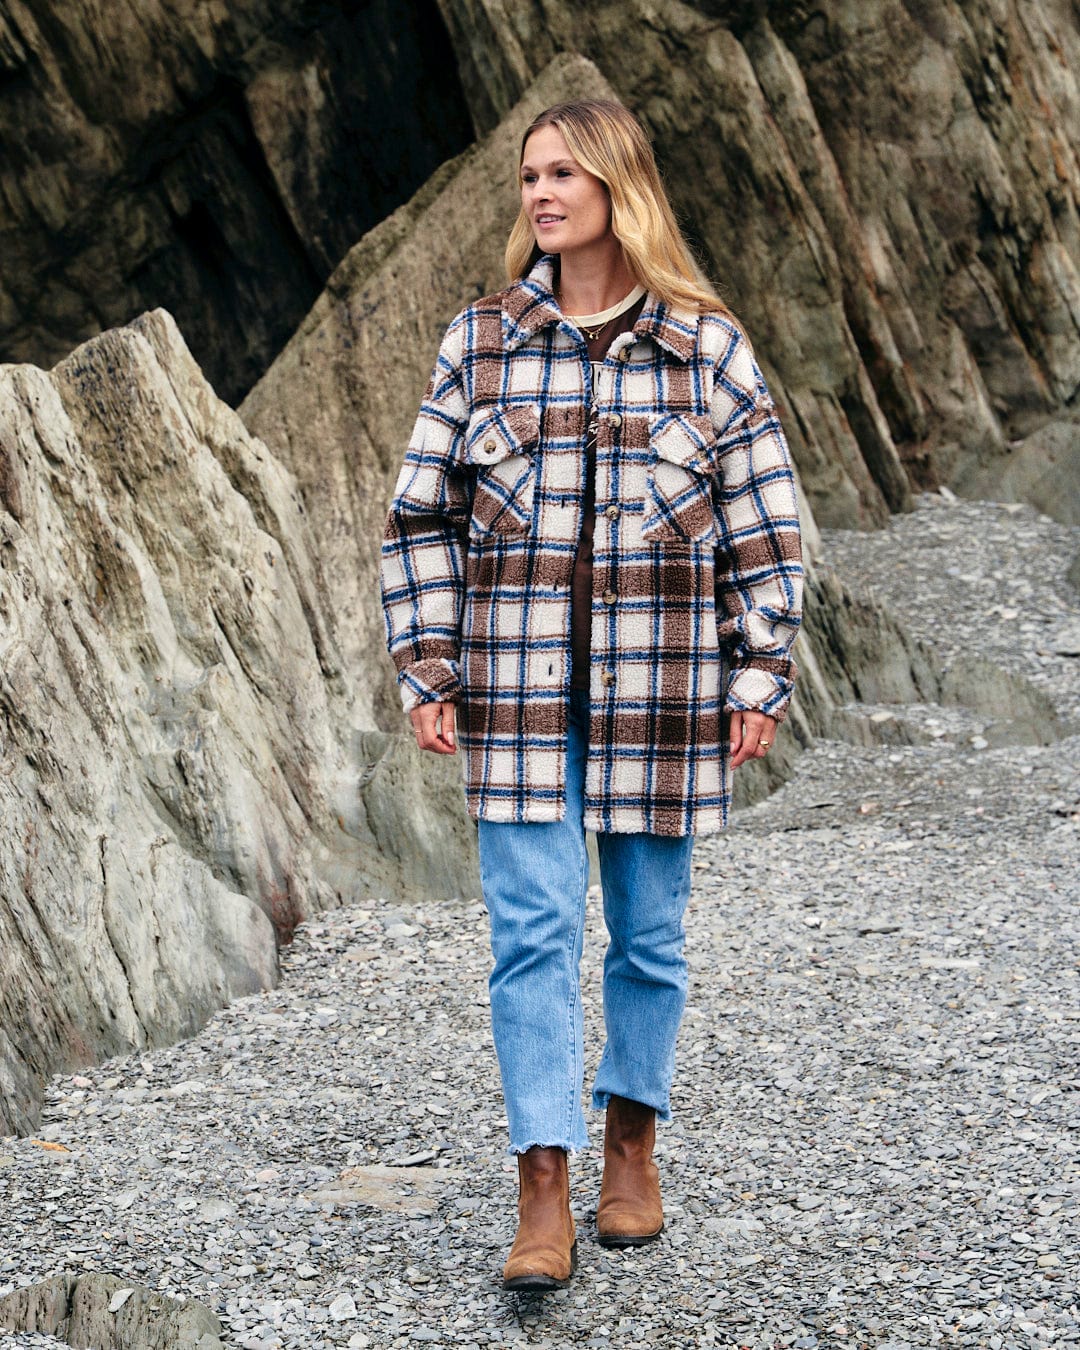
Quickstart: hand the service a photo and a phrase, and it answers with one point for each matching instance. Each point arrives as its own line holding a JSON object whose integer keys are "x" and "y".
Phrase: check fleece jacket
{"x": 697, "y": 577}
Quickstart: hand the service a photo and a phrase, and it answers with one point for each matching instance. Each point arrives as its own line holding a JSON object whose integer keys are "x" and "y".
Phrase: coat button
{"x": 614, "y": 420}
{"x": 610, "y": 597}
{"x": 608, "y": 677}
{"x": 624, "y": 355}
{"x": 612, "y": 512}
{"x": 489, "y": 446}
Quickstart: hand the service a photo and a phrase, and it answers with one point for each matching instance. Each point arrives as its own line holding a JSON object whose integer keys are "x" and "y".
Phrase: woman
{"x": 591, "y": 574}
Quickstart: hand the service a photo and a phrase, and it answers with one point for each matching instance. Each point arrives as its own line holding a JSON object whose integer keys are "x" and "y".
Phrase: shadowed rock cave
{"x": 219, "y": 167}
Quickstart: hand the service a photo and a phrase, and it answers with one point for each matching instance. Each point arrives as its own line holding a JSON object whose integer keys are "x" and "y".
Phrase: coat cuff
{"x": 759, "y": 689}
{"x": 434, "y": 680}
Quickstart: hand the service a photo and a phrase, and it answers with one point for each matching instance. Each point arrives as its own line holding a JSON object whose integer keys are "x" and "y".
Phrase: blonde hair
{"x": 608, "y": 141}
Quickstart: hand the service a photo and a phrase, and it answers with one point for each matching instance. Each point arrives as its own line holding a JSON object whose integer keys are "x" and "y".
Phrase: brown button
{"x": 612, "y": 512}
{"x": 624, "y": 355}
{"x": 608, "y": 677}
{"x": 489, "y": 446}
{"x": 610, "y": 597}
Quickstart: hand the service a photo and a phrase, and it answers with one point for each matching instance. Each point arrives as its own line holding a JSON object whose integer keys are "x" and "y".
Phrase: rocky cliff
{"x": 889, "y": 195}
{"x": 202, "y": 738}
{"x": 886, "y": 192}
{"x": 187, "y": 768}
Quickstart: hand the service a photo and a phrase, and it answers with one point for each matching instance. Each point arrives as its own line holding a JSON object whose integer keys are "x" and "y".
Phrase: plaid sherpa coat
{"x": 697, "y": 576}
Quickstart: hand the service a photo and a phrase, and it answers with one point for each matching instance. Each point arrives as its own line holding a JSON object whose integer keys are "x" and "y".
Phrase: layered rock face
{"x": 188, "y": 769}
{"x": 887, "y": 193}
{"x": 218, "y": 160}
{"x": 203, "y": 739}
{"x": 104, "y": 1310}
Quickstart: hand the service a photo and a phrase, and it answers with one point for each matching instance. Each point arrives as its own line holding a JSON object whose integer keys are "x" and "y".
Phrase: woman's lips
{"x": 546, "y": 223}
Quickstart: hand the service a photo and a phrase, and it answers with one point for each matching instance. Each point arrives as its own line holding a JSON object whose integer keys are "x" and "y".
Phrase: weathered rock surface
{"x": 412, "y": 1190}
{"x": 104, "y": 1312}
{"x": 217, "y": 160}
{"x": 187, "y": 770}
{"x": 1042, "y": 468}
{"x": 889, "y": 194}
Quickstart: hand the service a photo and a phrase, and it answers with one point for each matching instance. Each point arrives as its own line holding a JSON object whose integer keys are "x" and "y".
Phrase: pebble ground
{"x": 877, "y": 1095}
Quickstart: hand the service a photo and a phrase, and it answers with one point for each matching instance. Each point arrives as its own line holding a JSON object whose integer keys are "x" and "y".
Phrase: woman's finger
{"x": 764, "y": 731}
{"x": 425, "y": 720}
{"x": 739, "y": 739}
{"x": 751, "y": 735}
{"x": 448, "y": 711}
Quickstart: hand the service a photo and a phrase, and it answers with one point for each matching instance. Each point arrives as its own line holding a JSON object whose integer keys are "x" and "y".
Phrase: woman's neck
{"x": 592, "y": 279}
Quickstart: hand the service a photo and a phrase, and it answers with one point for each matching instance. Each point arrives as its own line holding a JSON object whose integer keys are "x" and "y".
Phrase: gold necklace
{"x": 606, "y": 317}
{"x": 590, "y": 333}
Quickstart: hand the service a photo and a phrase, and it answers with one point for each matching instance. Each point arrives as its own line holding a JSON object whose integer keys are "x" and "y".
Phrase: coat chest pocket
{"x": 678, "y": 493}
{"x": 501, "y": 444}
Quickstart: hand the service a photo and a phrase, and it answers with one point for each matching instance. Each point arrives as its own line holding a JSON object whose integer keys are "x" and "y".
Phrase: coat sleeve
{"x": 422, "y": 571}
{"x": 759, "y": 573}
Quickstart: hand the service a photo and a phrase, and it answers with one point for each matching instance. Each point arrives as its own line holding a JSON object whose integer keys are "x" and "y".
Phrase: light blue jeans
{"x": 534, "y": 879}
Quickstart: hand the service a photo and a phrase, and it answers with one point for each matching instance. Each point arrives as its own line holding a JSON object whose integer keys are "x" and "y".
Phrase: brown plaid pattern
{"x": 697, "y": 578}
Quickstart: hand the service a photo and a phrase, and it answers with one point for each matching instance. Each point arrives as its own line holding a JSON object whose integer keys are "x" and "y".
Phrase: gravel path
{"x": 878, "y": 1088}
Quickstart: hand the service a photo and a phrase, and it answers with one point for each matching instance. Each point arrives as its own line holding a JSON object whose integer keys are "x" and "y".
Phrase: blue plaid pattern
{"x": 697, "y": 574}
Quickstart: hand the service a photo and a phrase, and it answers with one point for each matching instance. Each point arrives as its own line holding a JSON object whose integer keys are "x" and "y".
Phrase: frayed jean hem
{"x": 601, "y": 1099}
{"x": 514, "y": 1151}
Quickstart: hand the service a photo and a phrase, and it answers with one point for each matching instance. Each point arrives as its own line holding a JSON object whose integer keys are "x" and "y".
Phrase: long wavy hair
{"x": 607, "y": 139}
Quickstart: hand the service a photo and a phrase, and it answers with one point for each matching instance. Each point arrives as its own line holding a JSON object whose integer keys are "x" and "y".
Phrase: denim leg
{"x": 534, "y": 878}
{"x": 646, "y": 884}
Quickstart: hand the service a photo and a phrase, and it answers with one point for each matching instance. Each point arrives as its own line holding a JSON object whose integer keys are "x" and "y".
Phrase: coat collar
{"x": 530, "y": 305}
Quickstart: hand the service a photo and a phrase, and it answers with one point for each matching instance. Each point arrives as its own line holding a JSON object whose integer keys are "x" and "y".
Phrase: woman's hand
{"x": 750, "y": 735}
{"x": 434, "y": 727}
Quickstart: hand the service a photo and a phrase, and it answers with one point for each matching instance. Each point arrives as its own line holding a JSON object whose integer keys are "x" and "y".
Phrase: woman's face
{"x": 567, "y": 206}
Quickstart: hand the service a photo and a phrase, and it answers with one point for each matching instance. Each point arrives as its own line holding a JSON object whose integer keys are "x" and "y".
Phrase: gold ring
{"x": 766, "y": 744}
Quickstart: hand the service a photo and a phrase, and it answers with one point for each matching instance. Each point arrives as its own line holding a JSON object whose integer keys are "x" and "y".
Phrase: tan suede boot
{"x": 630, "y": 1212}
{"x": 544, "y": 1254}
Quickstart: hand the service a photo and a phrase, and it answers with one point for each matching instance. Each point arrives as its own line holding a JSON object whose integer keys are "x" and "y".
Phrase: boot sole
{"x": 540, "y": 1283}
{"x": 633, "y": 1240}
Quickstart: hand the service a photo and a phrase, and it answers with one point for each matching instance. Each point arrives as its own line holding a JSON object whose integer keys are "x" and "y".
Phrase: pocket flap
{"x": 685, "y": 439}
{"x": 494, "y": 434}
